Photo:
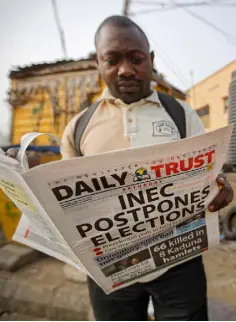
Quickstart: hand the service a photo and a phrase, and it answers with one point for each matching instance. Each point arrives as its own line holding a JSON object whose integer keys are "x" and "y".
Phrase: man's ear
{"x": 152, "y": 56}
{"x": 96, "y": 60}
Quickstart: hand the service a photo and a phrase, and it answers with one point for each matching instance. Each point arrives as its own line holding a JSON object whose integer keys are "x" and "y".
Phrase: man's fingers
{"x": 230, "y": 195}
{"x": 12, "y": 153}
{"x": 219, "y": 200}
{"x": 224, "y": 197}
{"x": 221, "y": 181}
{"x": 227, "y": 201}
{"x": 33, "y": 160}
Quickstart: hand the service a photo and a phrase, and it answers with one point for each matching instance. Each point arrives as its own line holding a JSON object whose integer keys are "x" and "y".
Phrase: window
{"x": 203, "y": 113}
{"x": 226, "y": 103}
{"x": 203, "y": 110}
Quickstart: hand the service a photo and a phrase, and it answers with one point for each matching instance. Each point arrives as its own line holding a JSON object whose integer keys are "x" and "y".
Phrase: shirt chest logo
{"x": 163, "y": 128}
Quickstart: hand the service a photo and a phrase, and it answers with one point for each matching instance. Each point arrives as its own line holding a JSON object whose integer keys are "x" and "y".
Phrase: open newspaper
{"x": 122, "y": 215}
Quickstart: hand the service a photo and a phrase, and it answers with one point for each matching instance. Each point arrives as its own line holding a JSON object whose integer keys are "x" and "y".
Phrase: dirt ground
{"x": 220, "y": 265}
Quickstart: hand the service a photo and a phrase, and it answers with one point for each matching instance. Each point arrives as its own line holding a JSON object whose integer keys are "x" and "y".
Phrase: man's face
{"x": 124, "y": 62}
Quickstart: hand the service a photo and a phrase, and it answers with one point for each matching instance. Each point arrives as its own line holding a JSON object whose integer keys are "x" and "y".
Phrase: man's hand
{"x": 225, "y": 195}
{"x": 12, "y": 153}
{"x": 33, "y": 160}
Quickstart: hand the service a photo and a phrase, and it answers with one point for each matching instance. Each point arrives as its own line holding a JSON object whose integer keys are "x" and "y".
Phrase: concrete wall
{"x": 212, "y": 91}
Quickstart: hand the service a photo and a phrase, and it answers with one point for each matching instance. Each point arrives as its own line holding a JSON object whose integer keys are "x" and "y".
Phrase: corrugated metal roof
{"x": 46, "y": 68}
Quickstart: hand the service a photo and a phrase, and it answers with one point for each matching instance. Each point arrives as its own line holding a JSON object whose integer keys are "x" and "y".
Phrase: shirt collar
{"x": 153, "y": 98}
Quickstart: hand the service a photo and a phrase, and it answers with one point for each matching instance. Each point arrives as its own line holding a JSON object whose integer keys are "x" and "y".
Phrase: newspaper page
{"x": 14, "y": 186}
{"x": 30, "y": 236}
{"x": 130, "y": 213}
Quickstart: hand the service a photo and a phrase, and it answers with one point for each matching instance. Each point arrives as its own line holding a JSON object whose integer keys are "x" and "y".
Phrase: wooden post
{"x": 126, "y": 6}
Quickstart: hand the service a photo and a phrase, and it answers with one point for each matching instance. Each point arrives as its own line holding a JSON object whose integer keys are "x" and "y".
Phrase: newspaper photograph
{"x": 127, "y": 214}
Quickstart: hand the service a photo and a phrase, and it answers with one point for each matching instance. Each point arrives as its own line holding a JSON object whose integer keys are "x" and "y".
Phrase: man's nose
{"x": 126, "y": 69}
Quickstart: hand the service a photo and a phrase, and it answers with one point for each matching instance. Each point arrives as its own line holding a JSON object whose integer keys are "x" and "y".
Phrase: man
{"x": 124, "y": 118}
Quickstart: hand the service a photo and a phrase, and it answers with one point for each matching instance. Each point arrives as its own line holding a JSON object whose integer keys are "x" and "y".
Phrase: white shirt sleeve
{"x": 194, "y": 125}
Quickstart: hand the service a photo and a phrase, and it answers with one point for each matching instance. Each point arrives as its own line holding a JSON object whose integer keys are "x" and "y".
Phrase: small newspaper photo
{"x": 120, "y": 216}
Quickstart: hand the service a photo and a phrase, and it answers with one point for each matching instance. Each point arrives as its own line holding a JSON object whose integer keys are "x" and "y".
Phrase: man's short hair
{"x": 119, "y": 21}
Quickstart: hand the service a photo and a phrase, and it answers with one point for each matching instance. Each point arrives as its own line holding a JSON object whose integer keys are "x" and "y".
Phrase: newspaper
{"x": 122, "y": 215}
{"x": 30, "y": 236}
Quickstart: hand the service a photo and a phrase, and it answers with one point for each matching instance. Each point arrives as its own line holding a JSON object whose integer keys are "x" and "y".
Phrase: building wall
{"x": 209, "y": 97}
{"x": 37, "y": 115}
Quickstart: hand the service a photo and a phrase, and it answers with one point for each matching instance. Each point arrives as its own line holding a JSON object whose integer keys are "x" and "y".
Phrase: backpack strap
{"x": 82, "y": 124}
{"x": 175, "y": 111}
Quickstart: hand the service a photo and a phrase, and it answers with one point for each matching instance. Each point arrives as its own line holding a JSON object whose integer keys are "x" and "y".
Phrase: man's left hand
{"x": 225, "y": 195}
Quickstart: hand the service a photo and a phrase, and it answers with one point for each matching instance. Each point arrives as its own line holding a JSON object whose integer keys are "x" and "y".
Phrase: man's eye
{"x": 112, "y": 61}
{"x": 137, "y": 60}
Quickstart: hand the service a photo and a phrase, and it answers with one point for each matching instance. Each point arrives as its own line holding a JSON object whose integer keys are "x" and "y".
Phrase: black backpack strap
{"x": 82, "y": 124}
{"x": 176, "y": 112}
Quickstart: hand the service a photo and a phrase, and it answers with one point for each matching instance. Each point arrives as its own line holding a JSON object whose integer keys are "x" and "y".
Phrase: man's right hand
{"x": 33, "y": 160}
{"x": 12, "y": 153}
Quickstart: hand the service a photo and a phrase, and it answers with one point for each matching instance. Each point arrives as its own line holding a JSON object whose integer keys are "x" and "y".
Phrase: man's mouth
{"x": 129, "y": 86}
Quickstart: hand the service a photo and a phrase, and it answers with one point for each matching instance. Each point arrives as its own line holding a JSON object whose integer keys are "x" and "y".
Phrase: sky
{"x": 28, "y": 34}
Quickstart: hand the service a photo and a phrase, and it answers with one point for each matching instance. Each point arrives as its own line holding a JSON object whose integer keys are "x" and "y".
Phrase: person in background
{"x": 124, "y": 118}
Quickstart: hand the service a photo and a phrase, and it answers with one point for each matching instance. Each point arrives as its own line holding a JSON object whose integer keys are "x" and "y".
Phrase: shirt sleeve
{"x": 194, "y": 125}
{"x": 68, "y": 148}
